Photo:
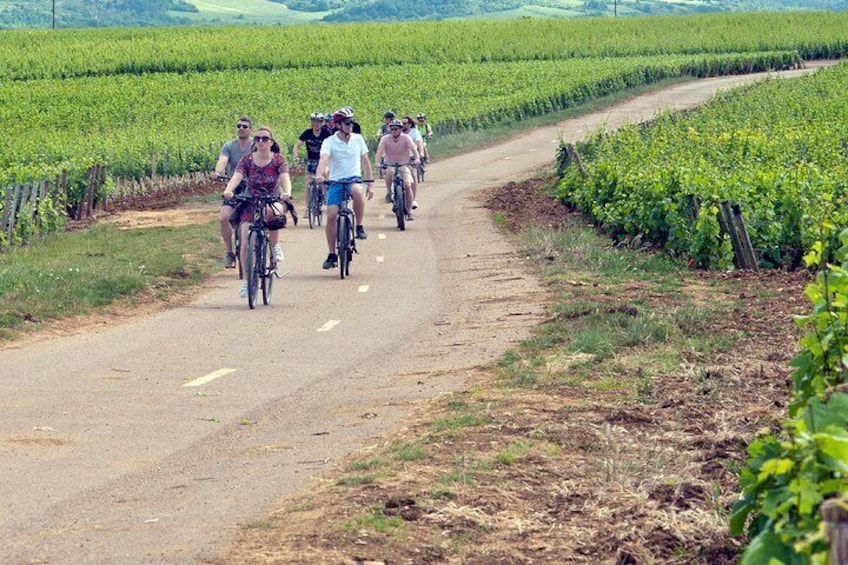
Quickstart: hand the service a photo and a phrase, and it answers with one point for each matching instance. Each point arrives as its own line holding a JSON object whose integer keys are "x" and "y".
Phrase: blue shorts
{"x": 334, "y": 192}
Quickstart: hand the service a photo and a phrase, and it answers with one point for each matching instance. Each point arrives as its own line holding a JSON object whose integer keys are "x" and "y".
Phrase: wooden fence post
{"x": 835, "y": 515}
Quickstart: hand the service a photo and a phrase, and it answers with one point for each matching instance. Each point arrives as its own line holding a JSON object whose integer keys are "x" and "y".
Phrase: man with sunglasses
{"x": 230, "y": 155}
{"x": 345, "y": 155}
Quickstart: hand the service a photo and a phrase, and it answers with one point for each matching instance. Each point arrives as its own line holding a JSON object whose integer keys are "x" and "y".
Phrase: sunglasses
{"x": 395, "y": 128}
{"x": 346, "y": 122}
{"x": 243, "y": 126}
{"x": 261, "y": 138}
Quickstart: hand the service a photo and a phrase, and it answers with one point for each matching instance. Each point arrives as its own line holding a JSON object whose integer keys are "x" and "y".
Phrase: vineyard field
{"x": 26, "y": 55}
{"x": 778, "y": 149}
{"x": 164, "y": 99}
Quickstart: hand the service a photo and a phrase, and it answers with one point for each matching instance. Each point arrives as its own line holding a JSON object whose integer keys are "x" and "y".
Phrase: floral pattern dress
{"x": 260, "y": 179}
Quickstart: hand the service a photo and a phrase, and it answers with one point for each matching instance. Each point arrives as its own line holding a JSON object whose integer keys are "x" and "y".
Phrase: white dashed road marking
{"x": 210, "y": 377}
{"x": 363, "y": 288}
{"x": 379, "y": 259}
{"x": 329, "y": 325}
{"x": 381, "y": 236}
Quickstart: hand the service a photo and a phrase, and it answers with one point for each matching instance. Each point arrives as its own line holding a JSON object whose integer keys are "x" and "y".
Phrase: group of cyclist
{"x": 336, "y": 154}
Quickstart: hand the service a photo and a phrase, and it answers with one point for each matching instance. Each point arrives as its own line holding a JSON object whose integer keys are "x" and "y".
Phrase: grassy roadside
{"x": 610, "y": 436}
{"x": 83, "y": 272}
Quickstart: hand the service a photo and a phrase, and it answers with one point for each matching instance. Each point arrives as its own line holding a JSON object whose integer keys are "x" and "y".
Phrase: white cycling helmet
{"x": 316, "y": 116}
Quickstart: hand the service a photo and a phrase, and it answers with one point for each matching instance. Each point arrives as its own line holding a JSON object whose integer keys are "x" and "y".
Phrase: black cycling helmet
{"x": 389, "y": 114}
{"x": 421, "y": 116}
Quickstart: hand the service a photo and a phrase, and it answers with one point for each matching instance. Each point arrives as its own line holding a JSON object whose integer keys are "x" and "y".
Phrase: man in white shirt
{"x": 345, "y": 155}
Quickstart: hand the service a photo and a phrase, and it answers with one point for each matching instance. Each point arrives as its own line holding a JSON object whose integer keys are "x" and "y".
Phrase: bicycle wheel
{"x": 253, "y": 267}
{"x": 400, "y": 205}
{"x": 343, "y": 245}
{"x": 237, "y": 248}
{"x": 310, "y": 203}
{"x": 269, "y": 272}
{"x": 319, "y": 201}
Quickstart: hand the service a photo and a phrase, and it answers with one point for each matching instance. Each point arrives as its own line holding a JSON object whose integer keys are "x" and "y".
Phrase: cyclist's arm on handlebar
{"x": 220, "y": 167}
{"x": 284, "y": 186}
{"x": 234, "y": 181}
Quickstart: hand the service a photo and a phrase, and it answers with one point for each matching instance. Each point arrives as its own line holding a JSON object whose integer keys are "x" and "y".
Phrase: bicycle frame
{"x": 345, "y": 232}
{"x": 315, "y": 199}
{"x": 399, "y": 196}
{"x": 261, "y": 267}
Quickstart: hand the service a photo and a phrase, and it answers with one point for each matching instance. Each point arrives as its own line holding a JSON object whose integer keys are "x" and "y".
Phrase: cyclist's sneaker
{"x": 243, "y": 290}
{"x": 415, "y": 205}
{"x": 409, "y": 217}
{"x": 278, "y": 252}
{"x": 388, "y": 198}
{"x": 332, "y": 261}
{"x": 230, "y": 260}
{"x": 360, "y": 232}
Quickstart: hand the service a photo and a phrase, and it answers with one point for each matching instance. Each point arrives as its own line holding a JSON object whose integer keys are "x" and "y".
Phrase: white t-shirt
{"x": 345, "y": 159}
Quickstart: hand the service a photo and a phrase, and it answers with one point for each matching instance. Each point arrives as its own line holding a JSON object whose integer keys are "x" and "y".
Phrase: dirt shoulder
{"x": 568, "y": 470}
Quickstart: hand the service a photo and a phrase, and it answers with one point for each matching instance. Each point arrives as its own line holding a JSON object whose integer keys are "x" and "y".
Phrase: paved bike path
{"x": 152, "y": 441}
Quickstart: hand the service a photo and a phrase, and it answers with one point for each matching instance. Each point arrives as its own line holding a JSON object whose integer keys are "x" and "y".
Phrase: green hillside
{"x": 22, "y": 14}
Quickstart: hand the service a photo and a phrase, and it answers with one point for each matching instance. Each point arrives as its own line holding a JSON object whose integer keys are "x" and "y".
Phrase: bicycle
{"x": 419, "y": 170}
{"x": 345, "y": 230}
{"x": 261, "y": 266}
{"x": 399, "y": 200}
{"x": 315, "y": 199}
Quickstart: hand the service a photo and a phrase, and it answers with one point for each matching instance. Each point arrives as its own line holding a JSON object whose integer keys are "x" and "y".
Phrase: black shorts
{"x": 311, "y": 166}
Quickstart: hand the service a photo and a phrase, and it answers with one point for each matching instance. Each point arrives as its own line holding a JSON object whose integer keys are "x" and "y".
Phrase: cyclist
{"x": 357, "y": 129}
{"x": 410, "y": 129}
{"x": 266, "y": 172}
{"x": 426, "y": 131}
{"x": 329, "y": 125}
{"x": 312, "y": 138}
{"x": 345, "y": 156}
{"x": 381, "y": 131}
{"x": 384, "y": 128}
{"x": 231, "y": 153}
{"x": 395, "y": 148}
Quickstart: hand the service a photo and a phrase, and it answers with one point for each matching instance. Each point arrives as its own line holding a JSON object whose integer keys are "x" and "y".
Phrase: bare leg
{"x": 226, "y": 227}
{"x": 358, "y": 202}
{"x": 330, "y": 229}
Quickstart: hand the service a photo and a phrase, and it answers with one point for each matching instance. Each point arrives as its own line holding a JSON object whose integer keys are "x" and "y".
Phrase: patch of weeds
{"x": 442, "y": 494}
{"x": 456, "y": 405}
{"x": 367, "y": 464}
{"x": 514, "y": 452}
{"x": 645, "y": 329}
{"x": 260, "y": 525}
{"x": 596, "y": 340}
{"x": 644, "y": 387}
{"x": 356, "y": 480}
{"x": 692, "y": 321}
{"x": 499, "y": 218}
{"x": 464, "y": 421}
{"x": 458, "y": 476}
{"x": 374, "y": 520}
{"x": 410, "y": 451}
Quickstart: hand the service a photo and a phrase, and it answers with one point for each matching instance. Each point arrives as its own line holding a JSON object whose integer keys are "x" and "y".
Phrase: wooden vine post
{"x": 835, "y": 515}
